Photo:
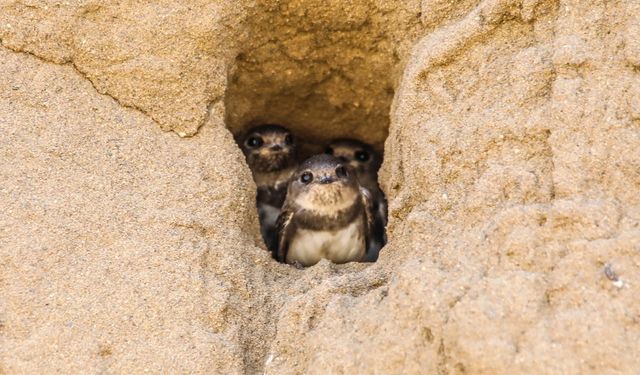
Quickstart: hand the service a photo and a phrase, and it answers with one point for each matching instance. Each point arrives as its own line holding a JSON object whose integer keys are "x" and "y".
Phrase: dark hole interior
{"x": 322, "y": 71}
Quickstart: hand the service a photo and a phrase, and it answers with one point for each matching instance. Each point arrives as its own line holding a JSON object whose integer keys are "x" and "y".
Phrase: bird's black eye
{"x": 362, "y": 156}
{"x": 306, "y": 177}
{"x": 254, "y": 142}
{"x": 288, "y": 139}
{"x": 341, "y": 172}
{"x": 328, "y": 151}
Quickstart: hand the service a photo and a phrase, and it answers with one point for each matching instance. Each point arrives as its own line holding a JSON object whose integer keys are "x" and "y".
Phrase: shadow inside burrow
{"x": 321, "y": 76}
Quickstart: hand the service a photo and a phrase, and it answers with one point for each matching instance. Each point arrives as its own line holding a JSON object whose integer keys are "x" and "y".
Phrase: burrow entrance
{"x": 322, "y": 69}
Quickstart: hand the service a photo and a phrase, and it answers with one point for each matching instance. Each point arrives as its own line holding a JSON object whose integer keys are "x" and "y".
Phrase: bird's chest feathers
{"x": 340, "y": 246}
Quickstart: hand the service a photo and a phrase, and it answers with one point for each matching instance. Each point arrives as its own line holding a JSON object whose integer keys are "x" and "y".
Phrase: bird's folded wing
{"x": 367, "y": 201}
{"x": 285, "y": 229}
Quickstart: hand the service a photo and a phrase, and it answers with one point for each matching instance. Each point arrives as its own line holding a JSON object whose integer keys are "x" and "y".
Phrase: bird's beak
{"x": 275, "y": 148}
{"x": 326, "y": 180}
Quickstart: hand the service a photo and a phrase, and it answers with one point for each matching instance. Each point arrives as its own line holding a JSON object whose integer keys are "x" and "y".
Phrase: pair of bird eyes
{"x": 307, "y": 177}
{"x": 256, "y": 141}
{"x": 360, "y": 155}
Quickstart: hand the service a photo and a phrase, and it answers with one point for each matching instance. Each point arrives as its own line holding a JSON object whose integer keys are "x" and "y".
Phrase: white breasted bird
{"x": 326, "y": 214}
{"x": 366, "y": 162}
{"x": 270, "y": 151}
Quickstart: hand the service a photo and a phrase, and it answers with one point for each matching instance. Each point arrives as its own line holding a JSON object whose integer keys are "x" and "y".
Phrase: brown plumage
{"x": 270, "y": 151}
{"x": 327, "y": 214}
{"x": 366, "y": 162}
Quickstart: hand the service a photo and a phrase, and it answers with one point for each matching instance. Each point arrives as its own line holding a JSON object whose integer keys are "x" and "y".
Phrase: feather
{"x": 367, "y": 202}
{"x": 284, "y": 227}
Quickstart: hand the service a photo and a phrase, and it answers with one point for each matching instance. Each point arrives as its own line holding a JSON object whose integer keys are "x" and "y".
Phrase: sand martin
{"x": 366, "y": 162}
{"x": 270, "y": 151}
{"x": 326, "y": 214}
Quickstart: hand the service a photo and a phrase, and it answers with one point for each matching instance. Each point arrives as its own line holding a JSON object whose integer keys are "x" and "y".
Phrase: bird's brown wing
{"x": 367, "y": 202}
{"x": 285, "y": 228}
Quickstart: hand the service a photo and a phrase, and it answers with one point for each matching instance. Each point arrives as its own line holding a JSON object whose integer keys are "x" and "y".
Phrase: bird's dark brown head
{"x": 269, "y": 148}
{"x": 324, "y": 184}
{"x": 360, "y": 156}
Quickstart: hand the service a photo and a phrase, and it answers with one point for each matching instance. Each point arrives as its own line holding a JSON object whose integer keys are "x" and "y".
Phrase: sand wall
{"x": 128, "y": 237}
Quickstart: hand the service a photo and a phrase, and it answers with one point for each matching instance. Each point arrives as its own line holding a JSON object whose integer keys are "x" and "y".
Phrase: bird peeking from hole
{"x": 326, "y": 214}
{"x": 270, "y": 151}
{"x": 366, "y": 162}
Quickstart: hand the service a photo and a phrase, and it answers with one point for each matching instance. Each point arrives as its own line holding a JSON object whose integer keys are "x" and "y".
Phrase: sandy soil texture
{"x": 129, "y": 241}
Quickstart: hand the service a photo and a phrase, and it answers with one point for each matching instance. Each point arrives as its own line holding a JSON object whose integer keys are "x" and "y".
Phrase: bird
{"x": 366, "y": 162}
{"x": 326, "y": 214}
{"x": 270, "y": 151}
